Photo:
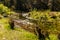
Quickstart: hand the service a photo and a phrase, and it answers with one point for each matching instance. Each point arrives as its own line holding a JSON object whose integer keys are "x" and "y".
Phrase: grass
{"x": 5, "y": 31}
{"x": 17, "y": 34}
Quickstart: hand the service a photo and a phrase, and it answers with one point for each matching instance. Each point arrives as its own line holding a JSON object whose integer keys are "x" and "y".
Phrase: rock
{"x": 25, "y": 25}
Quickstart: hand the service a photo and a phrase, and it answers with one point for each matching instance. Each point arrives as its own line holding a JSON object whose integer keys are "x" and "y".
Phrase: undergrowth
{"x": 48, "y": 22}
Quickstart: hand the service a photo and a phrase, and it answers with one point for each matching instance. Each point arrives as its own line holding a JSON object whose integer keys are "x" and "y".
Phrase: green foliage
{"x": 5, "y": 10}
{"x": 53, "y": 37}
{"x": 49, "y": 21}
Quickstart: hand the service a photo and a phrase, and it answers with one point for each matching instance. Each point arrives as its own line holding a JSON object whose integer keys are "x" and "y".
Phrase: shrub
{"x": 5, "y": 10}
{"x": 48, "y": 21}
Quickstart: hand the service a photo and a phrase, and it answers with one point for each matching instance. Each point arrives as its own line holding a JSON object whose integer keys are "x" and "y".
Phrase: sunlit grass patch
{"x": 16, "y": 34}
{"x": 4, "y": 23}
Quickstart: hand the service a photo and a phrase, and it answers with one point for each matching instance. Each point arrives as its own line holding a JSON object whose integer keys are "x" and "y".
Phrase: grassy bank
{"x": 17, "y": 34}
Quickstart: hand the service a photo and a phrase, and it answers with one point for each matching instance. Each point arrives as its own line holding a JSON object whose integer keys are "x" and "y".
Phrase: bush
{"x": 48, "y": 21}
{"x": 5, "y": 10}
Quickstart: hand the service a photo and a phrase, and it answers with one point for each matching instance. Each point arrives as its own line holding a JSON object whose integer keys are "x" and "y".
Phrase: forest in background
{"x": 28, "y": 5}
